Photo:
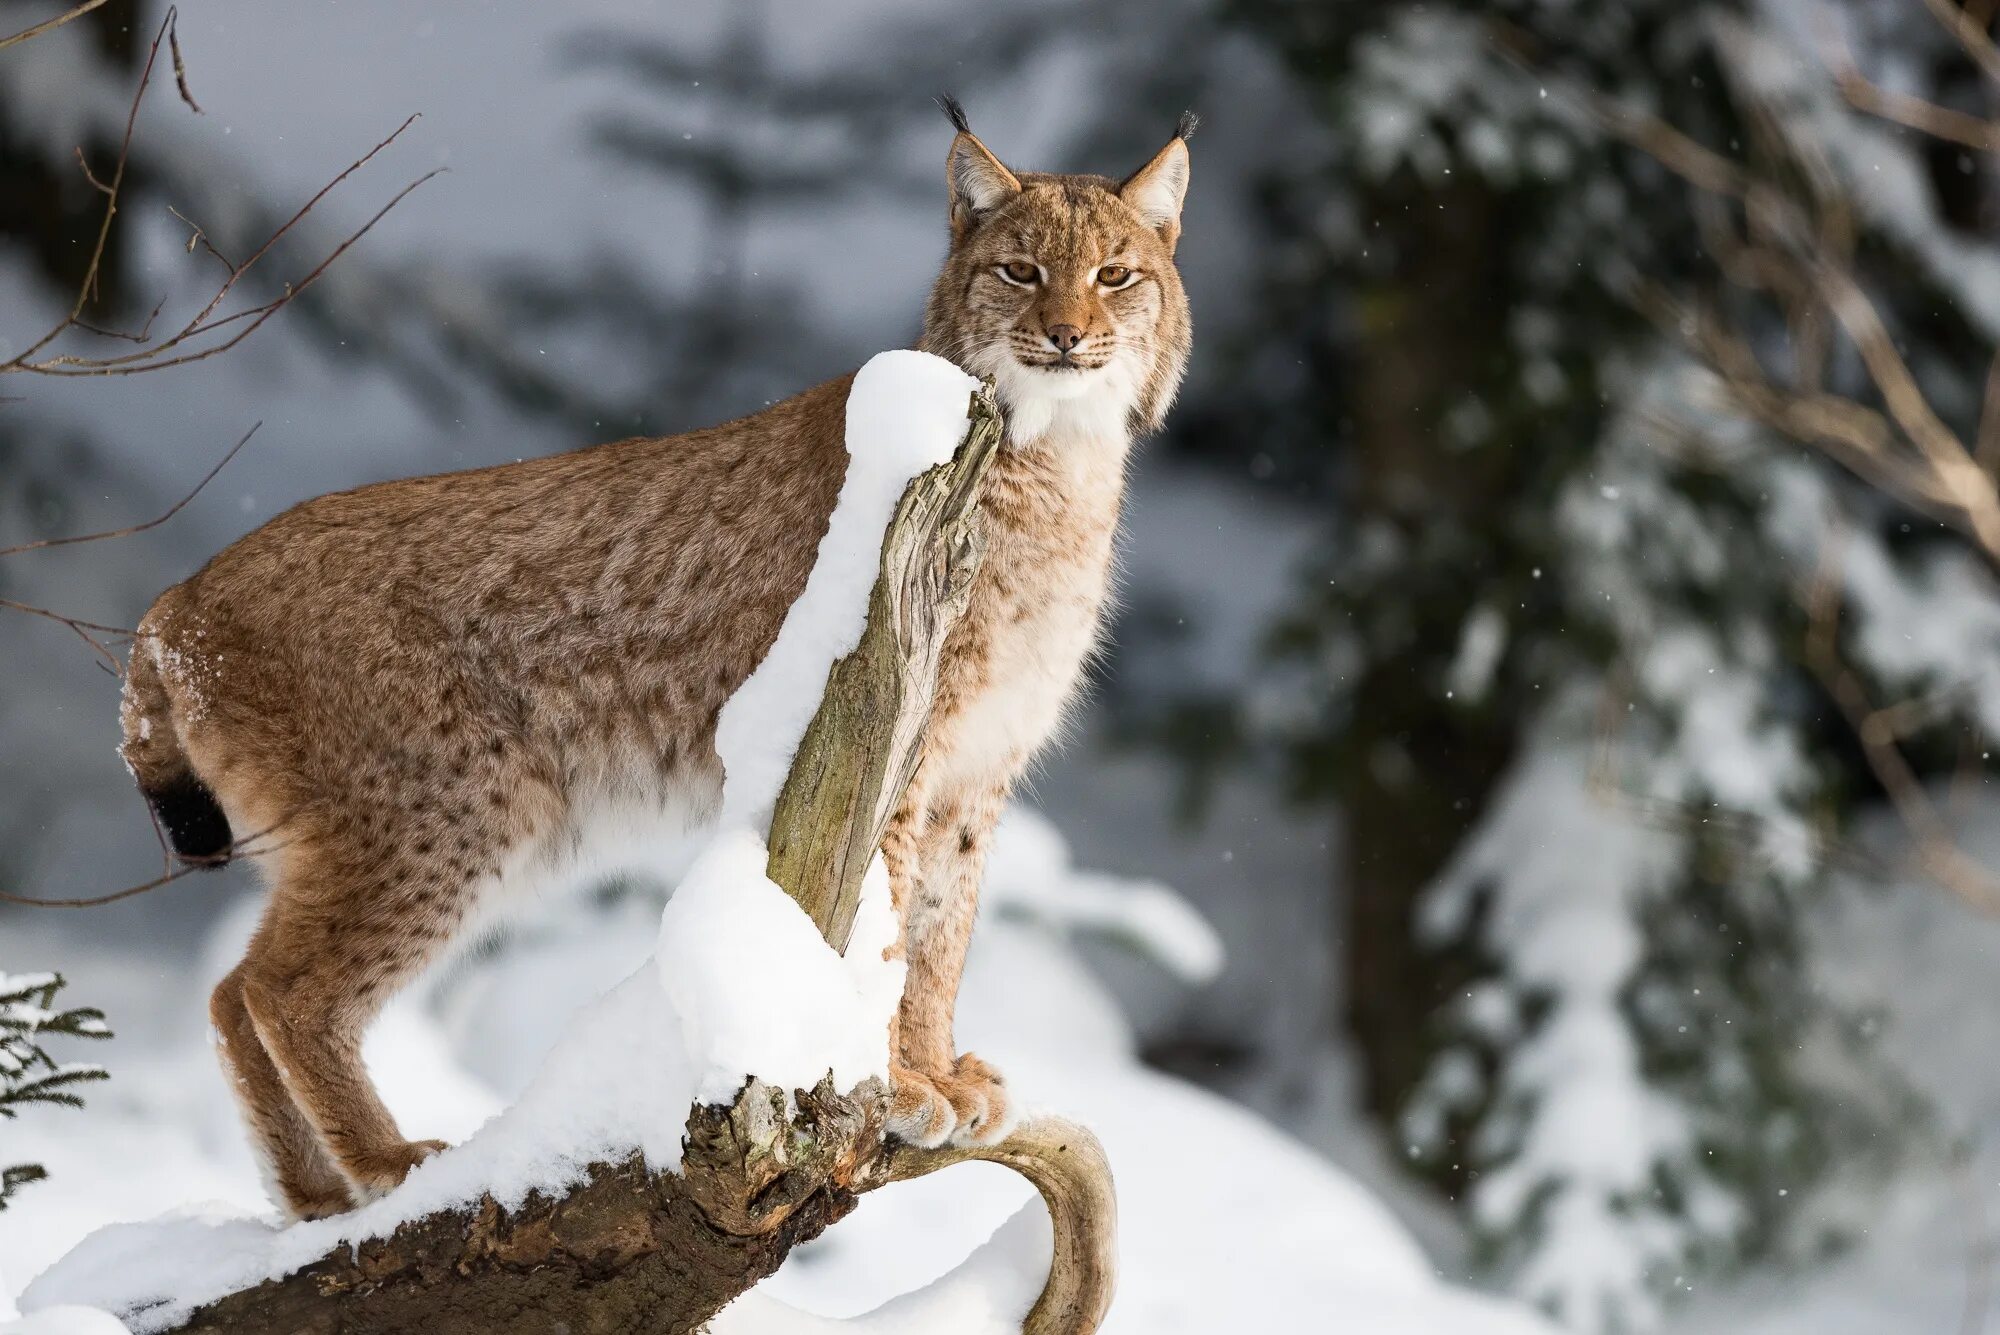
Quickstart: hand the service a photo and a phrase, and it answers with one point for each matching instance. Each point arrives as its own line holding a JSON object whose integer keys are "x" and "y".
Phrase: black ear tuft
{"x": 950, "y": 106}
{"x": 1188, "y": 124}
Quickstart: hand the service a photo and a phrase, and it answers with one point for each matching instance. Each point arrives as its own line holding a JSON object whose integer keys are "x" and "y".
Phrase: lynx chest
{"x": 1016, "y": 658}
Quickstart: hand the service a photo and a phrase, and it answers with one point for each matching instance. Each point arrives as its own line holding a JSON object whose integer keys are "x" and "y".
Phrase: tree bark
{"x": 632, "y": 1250}
{"x": 860, "y": 750}
{"x": 1415, "y": 773}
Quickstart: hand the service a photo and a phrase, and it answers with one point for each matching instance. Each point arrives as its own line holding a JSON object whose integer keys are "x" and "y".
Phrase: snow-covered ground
{"x": 1226, "y": 1223}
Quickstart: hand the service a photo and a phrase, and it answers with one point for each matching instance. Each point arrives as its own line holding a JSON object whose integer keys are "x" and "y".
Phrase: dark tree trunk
{"x": 1418, "y": 768}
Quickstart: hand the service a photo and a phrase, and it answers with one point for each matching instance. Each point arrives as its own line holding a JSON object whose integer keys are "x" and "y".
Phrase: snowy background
{"x": 1329, "y": 869}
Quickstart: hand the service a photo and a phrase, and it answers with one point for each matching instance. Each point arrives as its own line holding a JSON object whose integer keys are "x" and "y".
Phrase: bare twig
{"x": 1937, "y": 852}
{"x": 1988, "y": 450}
{"x": 183, "y": 346}
{"x": 1788, "y": 234}
{"x": 1916, "y": 113}
{"x": 88, "y": 631}
{"x": 1744, "y": 833}
{"x": 198, "y": 236}
{"x": 155, "y": 522}
{"x": 50, "y": 25}
{"x": 1970, "y": 30}
{"x": 155, "y": 357}
{"x": 207, "y": 862}
{"x": 1911, "y": 452}
{"x": 83, "y": 630}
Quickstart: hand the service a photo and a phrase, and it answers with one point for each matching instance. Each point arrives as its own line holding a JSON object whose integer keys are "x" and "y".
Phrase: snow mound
{"x": 756, "y": 988}
{"x": 906, "y": 412}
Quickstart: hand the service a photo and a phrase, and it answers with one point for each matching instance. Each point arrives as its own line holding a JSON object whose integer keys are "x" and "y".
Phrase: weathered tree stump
{"x": 629, "y": 1250}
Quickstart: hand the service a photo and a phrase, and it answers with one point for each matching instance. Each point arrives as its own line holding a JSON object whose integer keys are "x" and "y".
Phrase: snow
{"x": 755, "y": 987}
{"x": 1918, "y": 967}
{"x": 1577, "y": 846}
{"x": 906, "y": 412}
{"x": 1226, "y": 1223}
{"x": 1927, "y": 621}
{"x": 64, "y": 1321}
{"x": 1480, "y": 644}
{"x": 1879, "y": 167}
{"x": 988, "y": 1294}
{"x": 685, "y": 1029}
{"x": 164, "y": 1134}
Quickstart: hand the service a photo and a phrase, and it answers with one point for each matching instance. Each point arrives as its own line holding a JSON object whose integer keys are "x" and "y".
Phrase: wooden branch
{"x": 1916, "y": 113}
{"x": 623, "y": 1253}
{"x": 860, "y": 751}
{"x": 1938, "y": 853}
{"x": 635, "y": 1250}
{"x": 1970, "y": 30}
{"x": 1800, "y": 256}
{"x": 1067, "y": 1165}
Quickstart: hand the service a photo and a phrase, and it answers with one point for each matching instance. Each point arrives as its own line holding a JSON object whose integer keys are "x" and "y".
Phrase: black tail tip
{"x": 193, "y": 820}
{"x": 954, "y": 111}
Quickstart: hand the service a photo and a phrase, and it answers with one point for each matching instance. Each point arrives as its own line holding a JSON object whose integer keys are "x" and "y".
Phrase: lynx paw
{"x": 383, "y": 1171}
{"x": 301, "y": 1205}
{"x": 968, "y": 1106}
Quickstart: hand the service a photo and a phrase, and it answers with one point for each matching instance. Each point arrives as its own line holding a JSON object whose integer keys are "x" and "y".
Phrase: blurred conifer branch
{"x": 28, "y": 1075}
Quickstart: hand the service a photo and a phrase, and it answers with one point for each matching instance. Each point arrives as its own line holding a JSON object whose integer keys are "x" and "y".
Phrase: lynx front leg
{"x": 940, "y": 1095}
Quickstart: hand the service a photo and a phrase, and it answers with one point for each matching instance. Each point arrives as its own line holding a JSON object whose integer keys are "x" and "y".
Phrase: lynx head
{"x": 1063, "y": 289}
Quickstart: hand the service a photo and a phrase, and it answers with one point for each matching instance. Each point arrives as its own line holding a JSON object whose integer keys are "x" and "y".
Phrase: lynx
{"x": 437, "y": 692}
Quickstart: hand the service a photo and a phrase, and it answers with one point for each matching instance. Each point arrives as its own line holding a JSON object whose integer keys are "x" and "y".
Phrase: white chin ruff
{"x": 1090, "y": 404}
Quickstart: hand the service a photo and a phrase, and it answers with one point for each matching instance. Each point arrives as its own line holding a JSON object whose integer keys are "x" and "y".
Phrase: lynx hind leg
{"x": 287, "y": 1146}
{"x": 936, "y": 1094}
{"x": 337, "y": 943}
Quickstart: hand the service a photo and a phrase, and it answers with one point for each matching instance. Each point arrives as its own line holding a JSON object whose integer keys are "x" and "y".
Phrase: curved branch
{"x": 1068, "y": 1166}
{"x": 860, "y": 750}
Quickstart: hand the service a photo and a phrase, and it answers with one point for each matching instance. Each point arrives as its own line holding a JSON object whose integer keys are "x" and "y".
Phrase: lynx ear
{"x": 979, "y": 183}
{"x": 1157, "y": 189}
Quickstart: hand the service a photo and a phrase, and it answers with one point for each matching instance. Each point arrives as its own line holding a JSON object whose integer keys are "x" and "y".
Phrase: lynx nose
{"x": 1065, "y": 337}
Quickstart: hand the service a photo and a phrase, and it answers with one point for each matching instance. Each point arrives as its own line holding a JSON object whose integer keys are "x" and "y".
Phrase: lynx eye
{"x": 1020, "y": 273}
{"x": 1115, "y": 275}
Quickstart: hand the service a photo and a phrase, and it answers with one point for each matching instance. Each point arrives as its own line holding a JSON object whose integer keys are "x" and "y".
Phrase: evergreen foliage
{"x": 28, "y": 1075}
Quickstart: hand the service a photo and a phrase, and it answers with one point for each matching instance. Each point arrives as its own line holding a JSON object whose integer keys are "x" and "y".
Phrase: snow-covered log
{"x": 634, "y": 1247}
